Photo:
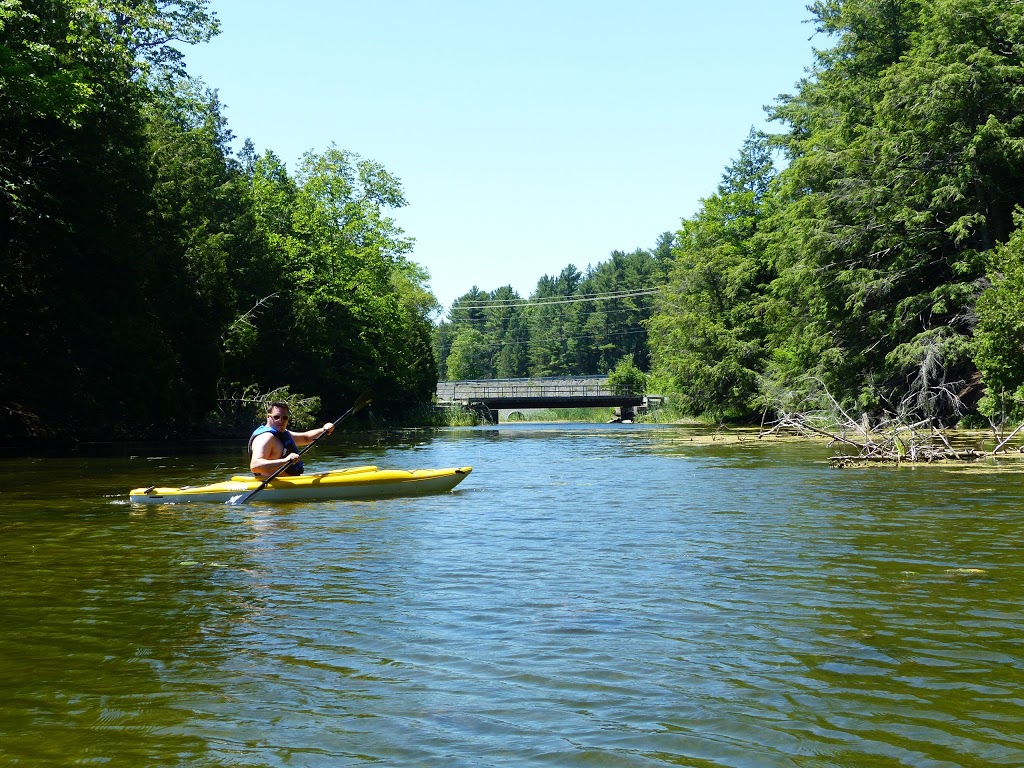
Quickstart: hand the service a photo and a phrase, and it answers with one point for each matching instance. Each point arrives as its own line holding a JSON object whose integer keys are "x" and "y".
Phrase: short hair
{"x": 278, "y": 404}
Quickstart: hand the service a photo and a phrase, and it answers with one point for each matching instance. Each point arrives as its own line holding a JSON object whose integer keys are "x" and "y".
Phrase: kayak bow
{"x": 353, "y": 483}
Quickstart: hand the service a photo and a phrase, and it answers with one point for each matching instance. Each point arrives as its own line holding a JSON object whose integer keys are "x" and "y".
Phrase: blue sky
{"x": 527, "y": 135}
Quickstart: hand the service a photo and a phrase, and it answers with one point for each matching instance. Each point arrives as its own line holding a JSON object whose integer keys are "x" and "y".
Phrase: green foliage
{"x": 856, "y": 269}
{"x": 241, "y": 408}
{"x": 613, "y": 328}
{"x": 468, "y": 356}
{"x": 708, "y": 337}
{"x": 76, "y": 269}
{"x": 572, "y": 324}
{"x": 198, "y": 233}
{"x": 502, "y": 333}
{"x": 906, "y": 161}
{"x": 627, "y": 379}
{"x": 455, "y": 416}
{"x": 303, "y": 410}
{"x": 143, "y": 265}
{"x": 149, "y": 29}
{"x": 341, "y": 306}
{"x": 999, "y": 339}
{"x": 576, "y": 415}
{"x": 554, "y": 338}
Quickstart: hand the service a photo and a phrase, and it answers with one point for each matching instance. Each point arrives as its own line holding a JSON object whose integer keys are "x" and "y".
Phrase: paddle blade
{"x": 242, "y": 498}
{"x": 364, "y": 400}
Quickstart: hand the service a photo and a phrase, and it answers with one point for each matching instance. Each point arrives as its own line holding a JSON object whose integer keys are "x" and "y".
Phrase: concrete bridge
{"x": 514, "y": 394}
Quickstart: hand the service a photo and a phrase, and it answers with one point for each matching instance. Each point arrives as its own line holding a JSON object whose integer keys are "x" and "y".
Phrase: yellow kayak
{"x": 352, "y": 483}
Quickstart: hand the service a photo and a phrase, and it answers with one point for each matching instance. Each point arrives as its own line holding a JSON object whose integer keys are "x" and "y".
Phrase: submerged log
{"x": 892, "y": 442}
{"x": 893, "y": 438}
{"x": 921, "y": 456}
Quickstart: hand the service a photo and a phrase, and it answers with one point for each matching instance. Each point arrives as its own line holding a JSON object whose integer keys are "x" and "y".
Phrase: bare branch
{"x": 1008, "y": 438}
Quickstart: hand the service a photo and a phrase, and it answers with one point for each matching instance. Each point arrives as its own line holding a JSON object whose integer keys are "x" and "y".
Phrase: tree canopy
{"x": 867, "y": 253}
{"x": 148, "y": 273}
{"x": 864, "y": 265}
{"x": 870, "y": 247}
{"x": 573, "y": 323}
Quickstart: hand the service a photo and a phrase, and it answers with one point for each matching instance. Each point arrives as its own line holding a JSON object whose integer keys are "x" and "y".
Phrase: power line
{"x": 549, "y": 339}
{"x": 484, "y": 320}
{"x": 611, "y": 296}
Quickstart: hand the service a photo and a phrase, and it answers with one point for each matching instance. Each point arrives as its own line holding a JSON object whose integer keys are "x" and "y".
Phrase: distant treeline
{"x": 572, "y": 324}
{"x": 870, "y": 255}
{"x": 148, "y": 276}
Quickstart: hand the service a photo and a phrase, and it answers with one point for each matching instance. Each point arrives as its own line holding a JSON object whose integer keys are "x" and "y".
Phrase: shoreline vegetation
{"x": 855, "y": 444}
{"x": 889, "y": 443}
{"x": 899, "y": 443}
{"x": 865, "y": 257}
{"x": 857, "y": 275}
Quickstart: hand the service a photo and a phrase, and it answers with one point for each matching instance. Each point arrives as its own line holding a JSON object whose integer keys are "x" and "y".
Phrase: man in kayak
{"x": 272, "y": 445}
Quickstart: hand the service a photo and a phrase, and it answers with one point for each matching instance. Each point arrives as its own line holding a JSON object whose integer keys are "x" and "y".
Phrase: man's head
{"x": 278, "y": 415}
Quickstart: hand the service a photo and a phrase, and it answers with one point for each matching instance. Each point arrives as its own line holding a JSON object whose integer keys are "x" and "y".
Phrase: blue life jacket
{"x": 289, "y": 446}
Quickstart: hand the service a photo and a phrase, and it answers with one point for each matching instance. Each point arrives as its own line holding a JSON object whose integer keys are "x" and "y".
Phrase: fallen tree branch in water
{"x": 893, "y": 439}
{"x": 1008, "y": 439}
{"x": 891, "y": 443}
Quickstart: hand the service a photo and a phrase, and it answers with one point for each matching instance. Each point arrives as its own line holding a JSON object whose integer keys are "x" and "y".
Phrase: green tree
{"x": 352, "y": 311}
{"x": 506, "y": 332}
{"x": 441, "y": 339}
{"x": 76, "y": 268}
{"x": 470, "y": 307}
{"x": 149, "y": 29}
{"x": 626, "y": 379}
{"x": 998, "y": 343}
{"x": 708, "y": 336}
{"x": 573, "y": 324}
{"x": 202, "y": 233}
{"x": 503, "y": 336}
{"x": 613, "y": 327}
{"x": 142, "y": 264}
{"x": 467, "y": 311}
{"x": 468, "y": 358}
{"x": 413, "y": 364}
{"x": 555, "y": 324}
{"x": 905, "y": 166}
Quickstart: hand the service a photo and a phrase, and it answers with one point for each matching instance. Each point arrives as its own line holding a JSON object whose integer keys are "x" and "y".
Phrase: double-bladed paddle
{"x": 364, "y": 400}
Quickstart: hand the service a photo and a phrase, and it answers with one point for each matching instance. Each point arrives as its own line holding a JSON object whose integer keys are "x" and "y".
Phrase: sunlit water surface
{"x": 592, "y": 595}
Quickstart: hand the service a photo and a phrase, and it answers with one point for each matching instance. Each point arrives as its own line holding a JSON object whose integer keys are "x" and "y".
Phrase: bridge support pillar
{"x": 624, "y": 413}
{"x": 488, "y": 415}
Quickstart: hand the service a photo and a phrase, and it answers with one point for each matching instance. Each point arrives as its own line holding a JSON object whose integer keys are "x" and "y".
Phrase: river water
{"x": 592, "y": 595}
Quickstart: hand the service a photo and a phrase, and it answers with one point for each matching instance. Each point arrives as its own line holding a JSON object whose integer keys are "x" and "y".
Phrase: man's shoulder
{"x": 261, "y": 438}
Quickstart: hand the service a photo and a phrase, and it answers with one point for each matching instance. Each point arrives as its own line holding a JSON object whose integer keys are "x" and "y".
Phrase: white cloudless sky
{"x": 527, "y": 135}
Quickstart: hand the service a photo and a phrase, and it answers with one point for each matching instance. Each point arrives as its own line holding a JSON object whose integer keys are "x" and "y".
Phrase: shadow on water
{"x": 591, "y": 595}
{"x": 101, "y": 617}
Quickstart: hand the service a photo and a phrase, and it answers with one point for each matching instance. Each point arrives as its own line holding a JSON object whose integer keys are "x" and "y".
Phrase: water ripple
{"x": 593, "y": 596}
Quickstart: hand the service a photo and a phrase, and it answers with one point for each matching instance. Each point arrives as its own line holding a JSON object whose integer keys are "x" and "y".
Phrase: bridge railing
{"x": 481, "y": 389}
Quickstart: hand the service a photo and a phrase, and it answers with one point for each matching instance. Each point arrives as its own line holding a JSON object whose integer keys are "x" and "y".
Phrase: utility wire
{"x": 484, "y": 320}
{"x": 549, "y": 339}
{"x": 611, "y": 296}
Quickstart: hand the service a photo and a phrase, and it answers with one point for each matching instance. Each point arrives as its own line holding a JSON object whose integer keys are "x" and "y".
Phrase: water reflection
{"x": 593, "y": 594}
{"x": 99, "y": 617}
